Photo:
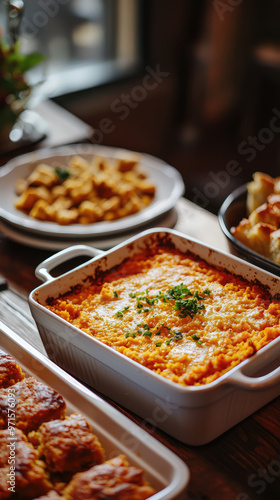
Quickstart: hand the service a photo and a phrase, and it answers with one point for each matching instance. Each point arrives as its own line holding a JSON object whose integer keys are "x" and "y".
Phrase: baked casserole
{"x": 173, "y": 313}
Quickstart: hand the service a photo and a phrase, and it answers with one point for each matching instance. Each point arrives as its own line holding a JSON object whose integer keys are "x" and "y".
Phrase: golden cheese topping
{"x": 174, "y": 314}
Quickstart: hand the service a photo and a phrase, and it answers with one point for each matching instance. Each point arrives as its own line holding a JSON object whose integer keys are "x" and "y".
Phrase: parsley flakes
{"x": 186, "y": 302}
{"x": 120, "y": 313}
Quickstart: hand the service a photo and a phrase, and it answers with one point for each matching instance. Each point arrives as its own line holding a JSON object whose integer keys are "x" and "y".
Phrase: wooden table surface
{"x": 243, "y": 463}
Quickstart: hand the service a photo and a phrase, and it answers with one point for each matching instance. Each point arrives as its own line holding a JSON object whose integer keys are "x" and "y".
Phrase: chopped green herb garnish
{"x": 120, "y": 313}
{"x": 62, "y": 173}
{"x": 177, "y": 292}
{"x": 199, "y": 342}
{"x": 158, "y": 344}
{"x": 195, "y": 337}
{"x": 187, "y": 307}
{"x": 186, "y": 302}
{"x": 147, "y": 333}
{"x": 201, "y": 306}
{"x": 130, "y": 334}
{"x": 116, "y": 293}
{"x": 151, "y": 302}
{"x": 167, "y": 327}
{"x": 178, "y": 336}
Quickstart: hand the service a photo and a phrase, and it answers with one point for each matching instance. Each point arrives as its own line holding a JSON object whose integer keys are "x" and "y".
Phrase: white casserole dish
{"x": 194, "y": 415}
{"x": 166, "y": 472}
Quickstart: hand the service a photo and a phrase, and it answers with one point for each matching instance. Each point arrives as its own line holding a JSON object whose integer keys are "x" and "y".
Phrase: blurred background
{"x": 195, "y": 83}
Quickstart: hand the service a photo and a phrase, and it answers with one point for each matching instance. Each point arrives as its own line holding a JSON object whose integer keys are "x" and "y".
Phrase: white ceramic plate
{"x": 168, "y": 182}
{"x": 109, "y": 241}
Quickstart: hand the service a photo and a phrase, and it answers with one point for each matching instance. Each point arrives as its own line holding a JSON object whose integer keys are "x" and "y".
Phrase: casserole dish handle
{"x": 42, "y": 271}
{"x": 255, "y": 383}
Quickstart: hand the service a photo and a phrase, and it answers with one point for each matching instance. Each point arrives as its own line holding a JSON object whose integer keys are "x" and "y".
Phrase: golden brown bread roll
{"x": 275, "y": 246}
{"x": 267, "y": 213}
{"x": 257, "y": 237}
{"x": 259, "y": 189}
{"x": 261, "y": 230}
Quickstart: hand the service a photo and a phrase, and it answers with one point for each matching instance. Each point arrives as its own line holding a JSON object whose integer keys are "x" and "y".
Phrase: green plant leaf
{"x": 30, "y": 60}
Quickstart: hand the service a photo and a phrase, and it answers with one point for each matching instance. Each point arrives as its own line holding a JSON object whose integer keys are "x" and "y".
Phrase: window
{"x": 86, "y": 42}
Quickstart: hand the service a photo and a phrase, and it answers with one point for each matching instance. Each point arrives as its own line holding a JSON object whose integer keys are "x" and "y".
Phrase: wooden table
{"x": 243, "y": 463}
